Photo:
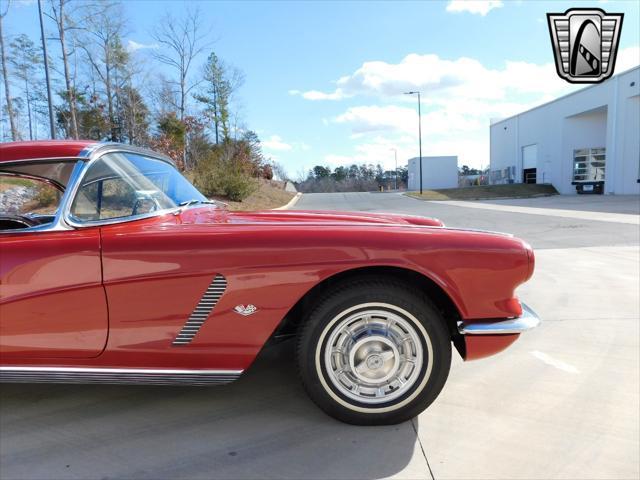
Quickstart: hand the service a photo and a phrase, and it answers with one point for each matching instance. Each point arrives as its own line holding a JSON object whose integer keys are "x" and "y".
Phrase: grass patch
{"x": 487, "y": 192}
{"x": 270, "y": 194}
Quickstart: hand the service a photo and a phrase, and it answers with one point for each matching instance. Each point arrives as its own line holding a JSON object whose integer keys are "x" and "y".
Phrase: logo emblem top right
{"x": 585, "y": 43}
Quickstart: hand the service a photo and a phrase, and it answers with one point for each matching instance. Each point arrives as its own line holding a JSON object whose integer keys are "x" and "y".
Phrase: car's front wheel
{"x": 374, "y": 352}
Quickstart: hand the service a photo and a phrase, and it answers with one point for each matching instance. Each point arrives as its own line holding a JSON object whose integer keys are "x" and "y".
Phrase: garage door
{"x": 530, "y": 156}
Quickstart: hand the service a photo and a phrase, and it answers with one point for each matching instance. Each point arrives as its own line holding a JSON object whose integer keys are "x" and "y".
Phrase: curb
{"x": 291, "y": 203}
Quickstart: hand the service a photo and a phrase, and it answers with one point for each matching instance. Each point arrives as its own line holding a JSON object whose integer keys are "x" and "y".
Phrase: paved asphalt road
{"x": 563, "y": 402}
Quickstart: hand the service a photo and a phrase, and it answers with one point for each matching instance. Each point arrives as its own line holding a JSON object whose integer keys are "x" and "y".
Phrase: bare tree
{"x": 63, "y": 25}
{"x": 102, "y": 45}
{"x": 164, "y": 97}
{"x": 7, "y": 89}
{"x": 280, "y": 171}
{"x": 181, "y": 40}
{"x": 45, "y": 58}
{"x": 25, "y": 60}
{"x": 133, "y": 112}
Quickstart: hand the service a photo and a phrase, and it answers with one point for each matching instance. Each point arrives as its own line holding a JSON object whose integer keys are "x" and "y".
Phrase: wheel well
{"x": 413, "y": 279}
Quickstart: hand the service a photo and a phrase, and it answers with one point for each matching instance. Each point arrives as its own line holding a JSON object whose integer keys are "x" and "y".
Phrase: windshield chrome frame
{"x": 96, "y": 155}
{"x": 63, "y": 219}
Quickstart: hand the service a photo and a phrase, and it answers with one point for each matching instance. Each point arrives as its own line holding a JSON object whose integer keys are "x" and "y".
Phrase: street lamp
{"x": 395, "y": 156}
{"x": 419, "y": 134}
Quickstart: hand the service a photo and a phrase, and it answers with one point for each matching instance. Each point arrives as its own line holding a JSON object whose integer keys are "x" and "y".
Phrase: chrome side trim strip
{"x": 528, "y": 320}
{"x": 202, "y": 310}
{"x": 117, "y": 375}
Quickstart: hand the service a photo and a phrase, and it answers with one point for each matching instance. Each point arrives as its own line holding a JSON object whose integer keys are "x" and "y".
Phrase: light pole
{"x": 419, "y": 134}
{"x": 395, "y": 156}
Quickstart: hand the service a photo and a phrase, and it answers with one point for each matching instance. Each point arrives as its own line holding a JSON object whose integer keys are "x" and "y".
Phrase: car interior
{"x": 32, "y": 192}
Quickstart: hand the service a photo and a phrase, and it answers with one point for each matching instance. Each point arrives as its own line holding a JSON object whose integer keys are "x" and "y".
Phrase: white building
{"x": 591, "y": 136}
{"x": 437, "y": 172}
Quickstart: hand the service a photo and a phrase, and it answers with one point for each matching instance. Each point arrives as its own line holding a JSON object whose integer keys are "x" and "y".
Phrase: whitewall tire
{"x": 374, "y": 352}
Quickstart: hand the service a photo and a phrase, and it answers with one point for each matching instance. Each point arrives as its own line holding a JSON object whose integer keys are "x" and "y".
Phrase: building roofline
{"x": 566, "y": 95}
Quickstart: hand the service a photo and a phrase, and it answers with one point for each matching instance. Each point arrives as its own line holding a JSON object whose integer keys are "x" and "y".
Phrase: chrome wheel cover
{"x": 373, "y": 356}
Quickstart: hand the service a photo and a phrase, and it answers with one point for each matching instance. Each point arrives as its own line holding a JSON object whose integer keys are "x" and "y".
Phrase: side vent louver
{"x": 202, "y": 310}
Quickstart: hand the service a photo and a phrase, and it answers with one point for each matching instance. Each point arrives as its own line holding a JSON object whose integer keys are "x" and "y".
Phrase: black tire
{"x": 347, "y": 300}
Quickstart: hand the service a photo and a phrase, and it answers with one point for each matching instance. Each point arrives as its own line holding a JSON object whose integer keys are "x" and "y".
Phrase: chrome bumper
{"x": 526, "y": 321}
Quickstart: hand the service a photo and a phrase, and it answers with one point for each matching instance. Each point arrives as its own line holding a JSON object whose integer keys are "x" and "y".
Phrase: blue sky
{"x": 324, "y": 79}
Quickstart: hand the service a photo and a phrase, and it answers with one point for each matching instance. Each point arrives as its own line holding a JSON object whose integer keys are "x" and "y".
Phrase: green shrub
{"x": 216, "y": 177}
{"x": 46, "y": 196}
{"x": 237, "y": 186}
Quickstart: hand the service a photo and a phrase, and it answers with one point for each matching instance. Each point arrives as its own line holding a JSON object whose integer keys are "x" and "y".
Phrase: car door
{"x": 52, "y": 302}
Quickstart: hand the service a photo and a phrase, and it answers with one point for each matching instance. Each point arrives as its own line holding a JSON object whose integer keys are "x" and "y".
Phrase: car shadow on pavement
{"x": 262, "y": 426}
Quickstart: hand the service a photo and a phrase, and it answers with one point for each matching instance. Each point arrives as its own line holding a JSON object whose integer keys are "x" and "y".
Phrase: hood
{"x": 209, "y": 214}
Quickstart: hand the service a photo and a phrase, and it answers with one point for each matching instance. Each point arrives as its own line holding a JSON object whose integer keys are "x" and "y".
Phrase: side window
{"x": 104, "y": 199}
{"x": 36, "y": 201}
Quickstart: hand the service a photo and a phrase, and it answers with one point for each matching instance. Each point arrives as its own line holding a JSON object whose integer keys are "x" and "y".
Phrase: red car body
{"x": 116, "y": 297}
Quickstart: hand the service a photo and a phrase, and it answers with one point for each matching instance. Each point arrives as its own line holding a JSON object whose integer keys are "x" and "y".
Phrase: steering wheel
{"x": 140, "y": 201}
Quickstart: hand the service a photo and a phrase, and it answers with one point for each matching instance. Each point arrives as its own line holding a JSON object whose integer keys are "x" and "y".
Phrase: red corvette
{"x": 133, "y": 276}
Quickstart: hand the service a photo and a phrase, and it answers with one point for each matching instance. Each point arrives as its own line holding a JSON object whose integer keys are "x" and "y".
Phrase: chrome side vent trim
{"x": 202, "y": 311}
{"x": 126, "y": 376}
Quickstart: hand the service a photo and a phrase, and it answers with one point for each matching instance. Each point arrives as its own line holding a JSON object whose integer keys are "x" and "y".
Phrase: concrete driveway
{"x": 563, "y": 402}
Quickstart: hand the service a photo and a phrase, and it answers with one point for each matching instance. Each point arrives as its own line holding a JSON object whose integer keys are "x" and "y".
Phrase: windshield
{"x": 127, "y": 184}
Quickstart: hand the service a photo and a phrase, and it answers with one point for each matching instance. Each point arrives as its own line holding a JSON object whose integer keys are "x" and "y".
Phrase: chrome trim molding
{"x": 113, "y": 221}
{"x": 100, "y": 149}
{"x": 202, "y": 311}
{"x": 89, "y": 149}
{"x": 124, "y": 376}
{"x": 528, "y": 320}
{"x": 9, "y": 163}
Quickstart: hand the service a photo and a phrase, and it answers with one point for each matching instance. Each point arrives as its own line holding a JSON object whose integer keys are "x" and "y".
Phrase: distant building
{"x": 437, "y": 172}
{"x": 585, "y": 141}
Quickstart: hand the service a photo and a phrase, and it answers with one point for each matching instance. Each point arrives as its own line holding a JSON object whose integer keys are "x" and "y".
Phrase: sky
{"x": 324, "y": 80}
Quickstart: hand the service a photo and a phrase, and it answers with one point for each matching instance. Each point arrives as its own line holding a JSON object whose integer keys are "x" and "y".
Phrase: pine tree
{"x": 220, "y": 83}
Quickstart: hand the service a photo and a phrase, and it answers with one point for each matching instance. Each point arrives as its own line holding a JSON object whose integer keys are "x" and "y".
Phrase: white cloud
{"x": 462, "y": 78}
{"x": 477, "y": 7}
{"x": 132, "y": 46}
{"x": 274, "y": 142}
{"x": 374, "y": 118}
{"x": 460, "y": 97}
{"x": 317, "y": 95}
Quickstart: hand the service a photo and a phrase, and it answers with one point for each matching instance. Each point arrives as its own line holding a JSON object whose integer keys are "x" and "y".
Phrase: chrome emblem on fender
{"x": 245, "y": 310}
